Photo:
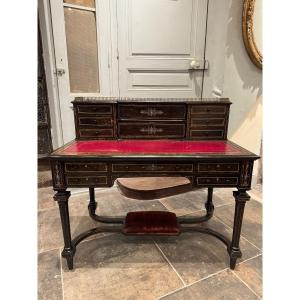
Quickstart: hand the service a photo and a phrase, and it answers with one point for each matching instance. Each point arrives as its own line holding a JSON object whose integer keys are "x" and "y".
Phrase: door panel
{"x": 154, "y": 27}
{"x": 158, "y": 40}
{"x": 81, "y": 36}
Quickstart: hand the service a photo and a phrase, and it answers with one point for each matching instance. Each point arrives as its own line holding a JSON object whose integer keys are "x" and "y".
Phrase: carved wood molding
{"x": 248, "y": 36}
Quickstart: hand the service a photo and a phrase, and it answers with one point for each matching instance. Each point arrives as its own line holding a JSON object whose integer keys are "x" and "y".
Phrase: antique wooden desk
{"x": 151, "y": 137}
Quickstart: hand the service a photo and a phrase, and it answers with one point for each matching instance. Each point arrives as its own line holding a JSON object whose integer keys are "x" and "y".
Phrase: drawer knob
{"x": 85, "y": 166}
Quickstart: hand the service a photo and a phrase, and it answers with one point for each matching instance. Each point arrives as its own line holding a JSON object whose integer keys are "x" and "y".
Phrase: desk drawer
{"x": 152, "y": 111}
{"x": 208, "y": 110}
{"x": 206, "y": 134}
{"x": 96, "y": 121}
{"x": 152, "y": 168}
{"x": 86, "y": 167}
{"x": 86, "y": 180}
{"x": 207, "y": 122}
{"x": 96, "y": 133}
{"x": 218, "y": 167}
{"x": 95, "y": 109}
{"x": 150, "y": 130}
{"x": 224, "y": 181}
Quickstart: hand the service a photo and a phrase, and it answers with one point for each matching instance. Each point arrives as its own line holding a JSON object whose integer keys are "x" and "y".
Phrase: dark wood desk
{"x": 168, "y": 144}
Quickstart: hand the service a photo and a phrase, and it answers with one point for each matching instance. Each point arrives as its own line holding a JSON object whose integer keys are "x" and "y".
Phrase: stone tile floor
{"x": 113, "y": 266}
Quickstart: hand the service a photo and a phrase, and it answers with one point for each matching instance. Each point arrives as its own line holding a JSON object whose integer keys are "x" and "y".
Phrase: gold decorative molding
{"x": 248, "y": 36}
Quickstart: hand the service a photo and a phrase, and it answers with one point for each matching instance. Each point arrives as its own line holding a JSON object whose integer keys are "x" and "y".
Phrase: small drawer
{"x": 97, "y": 121}
{"x": 208, "y": 109}
{"x": 203, "y": 122}
{"x": 95, "y": 109}
{"x": 86, "y": 167}
{"x": 152, "y": 168}
{"x": 151, "y": 130}
{"x": 206, "y": 134}
{"x": 225, "y": 181}
{"x": 96, "y": 133}
{"x": 149, "y": 111}
{"x": 87, "y": 181}
{"x": 218, "y": 167}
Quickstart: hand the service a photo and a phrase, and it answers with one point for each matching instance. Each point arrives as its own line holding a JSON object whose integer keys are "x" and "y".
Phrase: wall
{"x": 243, "y": 85}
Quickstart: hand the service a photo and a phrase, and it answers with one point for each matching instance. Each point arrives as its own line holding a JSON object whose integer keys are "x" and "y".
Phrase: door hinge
{"x": 59, "y": 72}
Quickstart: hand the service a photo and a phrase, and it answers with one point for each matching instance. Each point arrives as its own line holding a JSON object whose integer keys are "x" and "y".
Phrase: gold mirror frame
{"x": 248, "y": 36}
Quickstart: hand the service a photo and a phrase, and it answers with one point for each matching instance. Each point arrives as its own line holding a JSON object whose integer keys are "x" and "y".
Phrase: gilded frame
{"x": 248, "y": 36}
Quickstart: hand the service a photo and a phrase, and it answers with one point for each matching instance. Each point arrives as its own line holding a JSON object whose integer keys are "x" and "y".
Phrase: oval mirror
{"x": 252, "y": 30}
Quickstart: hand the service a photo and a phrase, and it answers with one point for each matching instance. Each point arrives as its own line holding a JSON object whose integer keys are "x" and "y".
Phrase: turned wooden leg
{"x": 234, "y": 251}
{"x": 92, "y": 204}
{"x": 209, "y": 203}
{"x": 62, "y": 197}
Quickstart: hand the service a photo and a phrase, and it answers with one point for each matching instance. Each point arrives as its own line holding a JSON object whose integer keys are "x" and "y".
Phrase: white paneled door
{"x": 127, "y": 48}
{"x": 161, "y": 47}
{"x": 83, "y": 54}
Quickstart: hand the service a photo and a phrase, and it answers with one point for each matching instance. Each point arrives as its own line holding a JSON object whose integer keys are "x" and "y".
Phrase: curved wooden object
{"x": 150, "y": 188}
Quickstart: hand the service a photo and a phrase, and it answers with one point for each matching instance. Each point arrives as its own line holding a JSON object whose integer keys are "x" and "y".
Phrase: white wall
{"x": 243, "y": 85}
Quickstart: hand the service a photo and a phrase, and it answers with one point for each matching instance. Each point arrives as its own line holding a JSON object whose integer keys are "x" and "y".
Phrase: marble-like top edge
{"x": 161, "y": 100}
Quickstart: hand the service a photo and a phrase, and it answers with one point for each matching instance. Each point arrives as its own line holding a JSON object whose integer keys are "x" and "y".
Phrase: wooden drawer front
{"x": 152, "y": 168}
{"x": 205, "y": 122}
{"x": 218, "y": 167}
{"x": 225, "y": 181}
{"x": 95, "y": 109}
{"x": 208, "y": 109}
{"x": 86, "y": 167}
{"x": 96, "y": 133}
{"x": 206, "y": 134}
{"x": 155, "y": 111}
{"x": 150, "y": 130}
{"x": 87, "y": 180}
{"x": 97, "y": 121}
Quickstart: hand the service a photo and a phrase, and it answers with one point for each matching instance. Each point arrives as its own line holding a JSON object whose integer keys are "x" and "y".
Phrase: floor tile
{"x": 50, "y": 232}
{"x": 195, "y": 200}
{"x": 49, "y": 276}
{"x": 119, "y": 267}
{"x": 223, "y": 285}
{"x": 256, "y": 193}
{"x": 111, "y": 202}
{"x": 45, "y": 198}
{"x": 252, "y": 222}
{"x": 223, "y": 196}
{"x": 250, "y": 272}
{"x": 197, "y": 255}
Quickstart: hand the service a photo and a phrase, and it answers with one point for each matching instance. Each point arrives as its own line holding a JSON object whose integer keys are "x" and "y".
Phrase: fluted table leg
{"x": 62, "y": 197}
{"x": 234, "y": 251}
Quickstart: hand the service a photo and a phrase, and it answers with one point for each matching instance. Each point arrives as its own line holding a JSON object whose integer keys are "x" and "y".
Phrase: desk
{"x": 125, "y": 137}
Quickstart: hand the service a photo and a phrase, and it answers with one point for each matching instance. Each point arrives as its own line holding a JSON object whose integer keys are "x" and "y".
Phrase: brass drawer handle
{"x": 151, "y": 112}
{"x": 151, "y": 130}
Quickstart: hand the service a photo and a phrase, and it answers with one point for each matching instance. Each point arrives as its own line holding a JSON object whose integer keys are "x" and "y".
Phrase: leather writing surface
{"x": 150, "y": 147}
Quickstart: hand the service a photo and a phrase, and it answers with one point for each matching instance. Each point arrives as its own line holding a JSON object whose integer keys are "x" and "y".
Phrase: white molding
{"x": 79, "y": 7}
{"x": 216, "y": 35}
{"x": 115, "y": 89}
{"x": 104, "y": 41}
{"x": 49, "y": 64}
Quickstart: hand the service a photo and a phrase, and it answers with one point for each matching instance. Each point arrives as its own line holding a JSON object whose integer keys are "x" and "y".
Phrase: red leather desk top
{"x": 151, "y": 147}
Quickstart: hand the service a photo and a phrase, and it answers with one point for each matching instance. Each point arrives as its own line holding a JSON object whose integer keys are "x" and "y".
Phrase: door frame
{"x": 51, "y": 79}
